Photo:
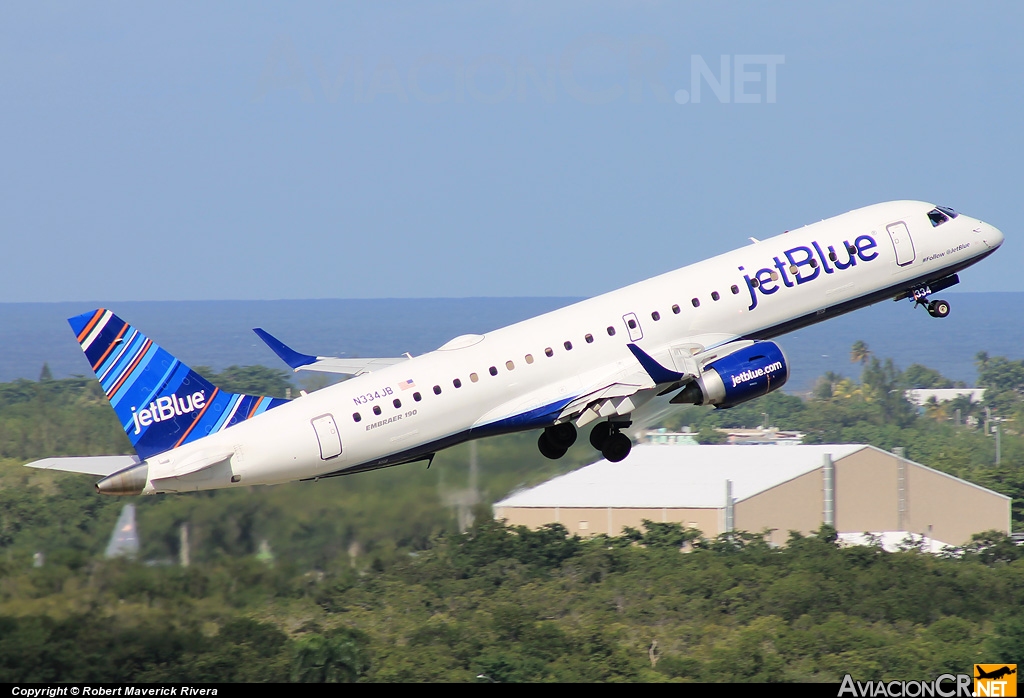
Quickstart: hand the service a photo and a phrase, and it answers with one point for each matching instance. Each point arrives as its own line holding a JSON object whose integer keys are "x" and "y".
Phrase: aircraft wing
{"x": 87, "y": 465}
{"x": 615, "y": 389}
{"x": 627, "y": 386}
{"x": 323, "y": 364}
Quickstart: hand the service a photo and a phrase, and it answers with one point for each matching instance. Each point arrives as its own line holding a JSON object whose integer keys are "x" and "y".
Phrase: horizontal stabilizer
{"x": 87, "y": 465}
{"x": 323, "y": 364}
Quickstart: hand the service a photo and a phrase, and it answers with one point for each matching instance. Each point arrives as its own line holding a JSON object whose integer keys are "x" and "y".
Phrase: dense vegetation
{"x": 369, "y": 577}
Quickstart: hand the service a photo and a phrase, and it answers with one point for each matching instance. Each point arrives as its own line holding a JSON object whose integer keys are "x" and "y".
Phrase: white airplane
{"x": 696, "y": 335}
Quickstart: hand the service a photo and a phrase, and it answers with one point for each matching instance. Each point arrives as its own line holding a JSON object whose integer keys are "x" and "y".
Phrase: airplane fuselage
{"x": 523, "y": 376}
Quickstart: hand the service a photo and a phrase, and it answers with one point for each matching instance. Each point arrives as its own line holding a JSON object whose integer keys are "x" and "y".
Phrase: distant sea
{"x": 219, "y": 333}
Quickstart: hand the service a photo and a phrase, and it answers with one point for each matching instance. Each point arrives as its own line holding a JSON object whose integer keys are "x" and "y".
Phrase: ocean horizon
{"x": 219, "y": 334}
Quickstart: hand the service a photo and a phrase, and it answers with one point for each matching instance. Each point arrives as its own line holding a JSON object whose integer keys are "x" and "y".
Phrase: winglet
{"x": 287, "y": 354}
{"x": 657, "y": 372}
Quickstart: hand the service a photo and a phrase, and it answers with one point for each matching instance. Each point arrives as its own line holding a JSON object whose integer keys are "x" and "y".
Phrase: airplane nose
{"x": 992, "y": 236}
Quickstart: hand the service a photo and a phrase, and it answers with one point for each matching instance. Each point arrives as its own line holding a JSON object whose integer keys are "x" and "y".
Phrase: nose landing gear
{"x": 921, "y": 294}
{"x": 938, "y": 308}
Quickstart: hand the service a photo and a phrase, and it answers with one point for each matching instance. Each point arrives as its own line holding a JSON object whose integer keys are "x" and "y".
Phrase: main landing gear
{"x": 554, "y": 441}
{"x": 612, "y": 443}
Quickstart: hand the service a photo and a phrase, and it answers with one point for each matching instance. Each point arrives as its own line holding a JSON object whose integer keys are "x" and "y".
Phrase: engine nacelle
{"x": 747, "y": 373}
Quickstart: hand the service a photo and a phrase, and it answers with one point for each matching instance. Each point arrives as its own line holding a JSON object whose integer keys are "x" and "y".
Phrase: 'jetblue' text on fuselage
{"x": 803, "y": 264}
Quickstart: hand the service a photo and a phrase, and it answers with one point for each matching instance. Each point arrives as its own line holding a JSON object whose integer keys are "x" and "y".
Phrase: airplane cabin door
{"x": 902, "y": 243}
{"x": 327, "y": 434}
{"x": 636, "y": 332}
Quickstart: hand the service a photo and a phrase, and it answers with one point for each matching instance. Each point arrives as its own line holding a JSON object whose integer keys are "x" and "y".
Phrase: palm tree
{"x": 859, "y": 353}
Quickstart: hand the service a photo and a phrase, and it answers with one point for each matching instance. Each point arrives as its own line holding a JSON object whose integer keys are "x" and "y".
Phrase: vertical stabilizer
{"x": 161, "y": 402}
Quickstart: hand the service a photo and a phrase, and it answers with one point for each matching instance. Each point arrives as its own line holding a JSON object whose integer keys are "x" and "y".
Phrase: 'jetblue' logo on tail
{"x": 165, "y": 407}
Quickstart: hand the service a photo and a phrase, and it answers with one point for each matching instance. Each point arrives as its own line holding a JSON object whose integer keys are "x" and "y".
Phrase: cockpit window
{"x": 948, "y": 211}
{"x": 937, "y": 217}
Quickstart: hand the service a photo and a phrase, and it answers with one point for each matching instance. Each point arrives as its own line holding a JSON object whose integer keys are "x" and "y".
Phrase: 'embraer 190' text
{"x": 803, "y": 264}
{"x": 164, "y": 408}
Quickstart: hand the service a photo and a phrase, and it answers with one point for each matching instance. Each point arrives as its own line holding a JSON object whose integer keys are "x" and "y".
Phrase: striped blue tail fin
{"x": 161, "y": 402}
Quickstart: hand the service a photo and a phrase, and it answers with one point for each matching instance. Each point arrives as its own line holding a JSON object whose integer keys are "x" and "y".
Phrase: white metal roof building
{"x": 856, "y": 488}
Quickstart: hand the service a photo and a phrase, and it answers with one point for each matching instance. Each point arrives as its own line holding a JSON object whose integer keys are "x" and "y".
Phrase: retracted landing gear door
{"x": 327, "y": 434}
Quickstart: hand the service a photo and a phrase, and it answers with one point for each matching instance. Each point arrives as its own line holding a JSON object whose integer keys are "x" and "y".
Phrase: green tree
{"x": 339, "y": 656}
{"x": 918, "y": 376}
{"x": 859, "y": 353}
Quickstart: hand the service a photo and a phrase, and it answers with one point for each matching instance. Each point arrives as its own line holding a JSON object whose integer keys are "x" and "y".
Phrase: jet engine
{"x": 743, "y": 374}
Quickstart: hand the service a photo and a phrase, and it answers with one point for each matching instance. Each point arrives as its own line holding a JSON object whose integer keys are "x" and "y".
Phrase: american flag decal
{"x": 405, "y": 385}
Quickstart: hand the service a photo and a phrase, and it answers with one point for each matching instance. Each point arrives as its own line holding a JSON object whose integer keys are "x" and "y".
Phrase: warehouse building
{"x": 857, "y": 489}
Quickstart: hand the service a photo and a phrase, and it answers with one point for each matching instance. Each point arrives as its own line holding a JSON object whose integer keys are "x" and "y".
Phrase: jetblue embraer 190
{"x": 698, "y": 335}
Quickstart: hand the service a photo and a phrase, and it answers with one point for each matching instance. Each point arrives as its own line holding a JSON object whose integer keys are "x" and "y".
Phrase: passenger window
{"x": 473, "y": 377}
{"x": 696, "y": 302}
{"x": 548, "y": 352}
{"x": 397, "y": 403}
{"x": 589, "y": 338}
{"x": 457, "y": 383}
{"x": 509, "y": 365}
{"x": 567, "y": 345}
{"x": 754, "y": 283}
{"x": 417, "y": 397}
{"x": 775, "y": 274}
{"x": 735, "y": 289}
{"x": 814, "y": 263}
{"x": 376, "y": 410}
{"x": 655, "y": 316}
{"x": 611, "y": 331}
{"x": 675, "y": 309}
{"x": 715, "y": 296}
{"x": 437, "y": 390}
{"x": 493, "y": 371}
{"x": 529, "y": 358}
{"x": 832, "y": 255}
{"x": 356, "y": 417}
{"x": 631, "y": 324}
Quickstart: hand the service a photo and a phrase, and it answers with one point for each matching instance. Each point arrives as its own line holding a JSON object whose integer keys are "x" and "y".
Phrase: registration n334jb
{"x": 698, "y": 335}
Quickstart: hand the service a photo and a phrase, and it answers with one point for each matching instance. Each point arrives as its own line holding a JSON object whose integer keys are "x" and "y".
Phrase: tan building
{"x": 858, "y": 489}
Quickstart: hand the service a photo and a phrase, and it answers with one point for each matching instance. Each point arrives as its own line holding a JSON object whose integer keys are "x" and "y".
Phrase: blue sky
{"x": 339, "y": 150}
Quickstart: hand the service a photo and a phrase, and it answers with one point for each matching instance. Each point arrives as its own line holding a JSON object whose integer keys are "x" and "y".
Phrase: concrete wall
{"x": 795, "y": 505}
{"x": 954, "y": 509}
{"x": 867, "y": 498}
{"x": 866, "y": 492}
{"x": 591, "y": 521}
